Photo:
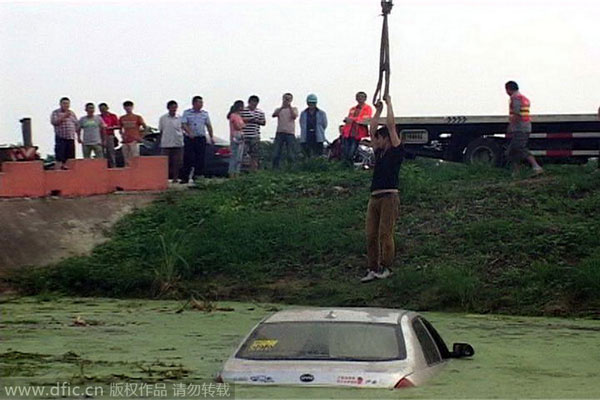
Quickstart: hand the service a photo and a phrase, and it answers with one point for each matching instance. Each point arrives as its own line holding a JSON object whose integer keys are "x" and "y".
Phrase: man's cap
{"x": 311, "y": 98}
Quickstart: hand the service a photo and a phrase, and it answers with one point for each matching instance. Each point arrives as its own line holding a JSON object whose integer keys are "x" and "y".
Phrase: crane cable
{"x": 384, "y": 55}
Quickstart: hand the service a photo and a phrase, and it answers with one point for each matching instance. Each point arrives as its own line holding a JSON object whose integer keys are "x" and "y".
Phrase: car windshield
{"x": 329, "y": 341}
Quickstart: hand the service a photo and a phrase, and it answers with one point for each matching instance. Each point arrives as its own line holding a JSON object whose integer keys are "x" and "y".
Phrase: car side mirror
{"x": 461, "y": 350}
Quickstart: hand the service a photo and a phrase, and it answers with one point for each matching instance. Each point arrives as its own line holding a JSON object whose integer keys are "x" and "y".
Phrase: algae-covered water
{"x": 98, "y": 341}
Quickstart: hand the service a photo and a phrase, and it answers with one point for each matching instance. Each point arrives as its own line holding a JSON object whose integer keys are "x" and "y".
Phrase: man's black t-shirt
{"x": 387, "y": 167}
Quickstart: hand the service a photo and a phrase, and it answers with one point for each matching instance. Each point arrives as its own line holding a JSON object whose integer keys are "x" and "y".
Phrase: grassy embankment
{"x": 469, "y": 239}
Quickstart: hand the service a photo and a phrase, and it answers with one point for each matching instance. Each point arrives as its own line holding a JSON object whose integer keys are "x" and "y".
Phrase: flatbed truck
{"x": 559, "y": 138}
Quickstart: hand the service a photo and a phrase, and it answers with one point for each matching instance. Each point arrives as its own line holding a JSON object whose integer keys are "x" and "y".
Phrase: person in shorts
{"x": 132, "y": 128}
{"x": 65, "y": 130}
{"x": 519, "y": 128}
{"x": 254, "y": 118}
{"x": 93, "y": 128}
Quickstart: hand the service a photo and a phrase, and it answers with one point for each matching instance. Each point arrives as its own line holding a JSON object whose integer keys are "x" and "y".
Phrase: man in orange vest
{"x": 353, "y": 130}
{"x": 520, "y": 128}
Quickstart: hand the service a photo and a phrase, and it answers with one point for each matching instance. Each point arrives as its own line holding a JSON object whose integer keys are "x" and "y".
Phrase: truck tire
{"x": 484, "y": 151}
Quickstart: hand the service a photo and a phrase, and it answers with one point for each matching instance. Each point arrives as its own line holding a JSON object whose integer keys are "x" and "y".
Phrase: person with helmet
{"x": 313, "y": 122}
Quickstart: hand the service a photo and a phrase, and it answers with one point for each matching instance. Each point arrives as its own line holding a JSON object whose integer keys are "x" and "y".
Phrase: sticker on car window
{"x": 263, "y": 344}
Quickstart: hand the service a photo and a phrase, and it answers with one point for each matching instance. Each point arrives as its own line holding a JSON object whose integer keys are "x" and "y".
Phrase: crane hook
{"x": 386, "y": 6}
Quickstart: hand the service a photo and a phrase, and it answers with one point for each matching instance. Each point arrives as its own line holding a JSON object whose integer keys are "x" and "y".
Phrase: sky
{"x": 447, "y": 57}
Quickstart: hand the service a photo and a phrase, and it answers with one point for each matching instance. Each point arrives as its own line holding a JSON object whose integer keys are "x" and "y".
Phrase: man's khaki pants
{"x": 130, "y": 150}
{"x": 382, "y": 213}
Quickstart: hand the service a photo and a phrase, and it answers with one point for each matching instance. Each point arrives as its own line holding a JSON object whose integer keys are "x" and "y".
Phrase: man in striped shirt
{"x": 65, "y": 129}
{"x": 254, "y": 119}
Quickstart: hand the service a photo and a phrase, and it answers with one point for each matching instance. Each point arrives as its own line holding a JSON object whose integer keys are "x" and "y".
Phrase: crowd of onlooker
{"x": 184, "y": 137}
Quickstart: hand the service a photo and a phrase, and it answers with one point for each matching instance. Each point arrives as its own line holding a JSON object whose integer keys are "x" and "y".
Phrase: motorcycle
{"x": 364, "y": 157}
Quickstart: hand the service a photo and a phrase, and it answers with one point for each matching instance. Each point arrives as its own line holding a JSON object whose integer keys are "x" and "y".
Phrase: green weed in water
{"x": 150, "y": 342}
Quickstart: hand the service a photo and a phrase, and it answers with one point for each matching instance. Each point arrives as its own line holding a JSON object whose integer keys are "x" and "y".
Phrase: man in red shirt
{"x": 130, "y": 132}
{"x": 108, "y": 141}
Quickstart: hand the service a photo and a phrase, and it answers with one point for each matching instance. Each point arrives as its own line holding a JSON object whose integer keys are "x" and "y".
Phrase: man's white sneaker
{"x": 369, "y": 277}
{"x": 538, "y": 171}
{"x": 383, "y": 274}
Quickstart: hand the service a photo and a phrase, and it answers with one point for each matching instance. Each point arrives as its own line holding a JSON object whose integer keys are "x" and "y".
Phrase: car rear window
{"x": 329, "y": 341}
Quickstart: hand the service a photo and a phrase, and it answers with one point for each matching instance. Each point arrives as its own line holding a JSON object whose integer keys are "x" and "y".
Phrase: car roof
{"x": 338, "y": 314}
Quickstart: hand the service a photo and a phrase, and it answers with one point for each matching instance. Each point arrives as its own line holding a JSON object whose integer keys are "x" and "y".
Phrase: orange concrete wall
{"x": 83, "y": 178}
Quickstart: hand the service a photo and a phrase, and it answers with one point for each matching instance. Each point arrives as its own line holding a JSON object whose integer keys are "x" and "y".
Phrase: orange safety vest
{"x": 524, "y": 110}
{"x": 361, "y": 131}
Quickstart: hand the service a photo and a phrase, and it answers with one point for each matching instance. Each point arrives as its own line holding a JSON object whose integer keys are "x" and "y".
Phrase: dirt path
{"x": 43, "y": 231}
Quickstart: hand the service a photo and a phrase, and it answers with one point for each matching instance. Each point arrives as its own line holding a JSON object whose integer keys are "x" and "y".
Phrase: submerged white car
{"x": 360, "y": 347}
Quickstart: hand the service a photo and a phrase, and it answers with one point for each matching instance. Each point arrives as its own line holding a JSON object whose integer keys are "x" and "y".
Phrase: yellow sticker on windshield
{"x": 263, "y": 344}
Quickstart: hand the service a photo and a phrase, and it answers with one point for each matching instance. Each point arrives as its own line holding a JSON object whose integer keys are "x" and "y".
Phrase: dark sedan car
{"x": 216, "y": 161}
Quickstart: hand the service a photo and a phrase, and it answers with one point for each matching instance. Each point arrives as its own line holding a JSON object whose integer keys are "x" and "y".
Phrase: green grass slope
{"x": 468, "y": 238}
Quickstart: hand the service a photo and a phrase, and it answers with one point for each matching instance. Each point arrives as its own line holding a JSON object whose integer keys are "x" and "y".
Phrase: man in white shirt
{"x": 171, "y": 139}
{"x": 286, "y": 130}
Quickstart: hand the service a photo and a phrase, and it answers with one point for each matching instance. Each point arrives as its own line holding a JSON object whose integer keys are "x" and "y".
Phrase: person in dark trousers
{"x": 286, "y": 130}
{"x": 196, "y": 123}
{"x": 112, "y": 125}
{"x": 382, "y": 210}
{"x": 354, "y": 131}
{"x": 313, "y": 122}
{"x": 171, "y": 139}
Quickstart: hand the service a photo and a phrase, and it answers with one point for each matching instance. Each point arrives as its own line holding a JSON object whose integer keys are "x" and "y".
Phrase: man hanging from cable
{"x": 382, "y": 210}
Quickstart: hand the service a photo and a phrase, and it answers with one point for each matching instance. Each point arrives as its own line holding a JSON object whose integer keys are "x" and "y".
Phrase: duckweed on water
{"x": 149, "y": 341}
